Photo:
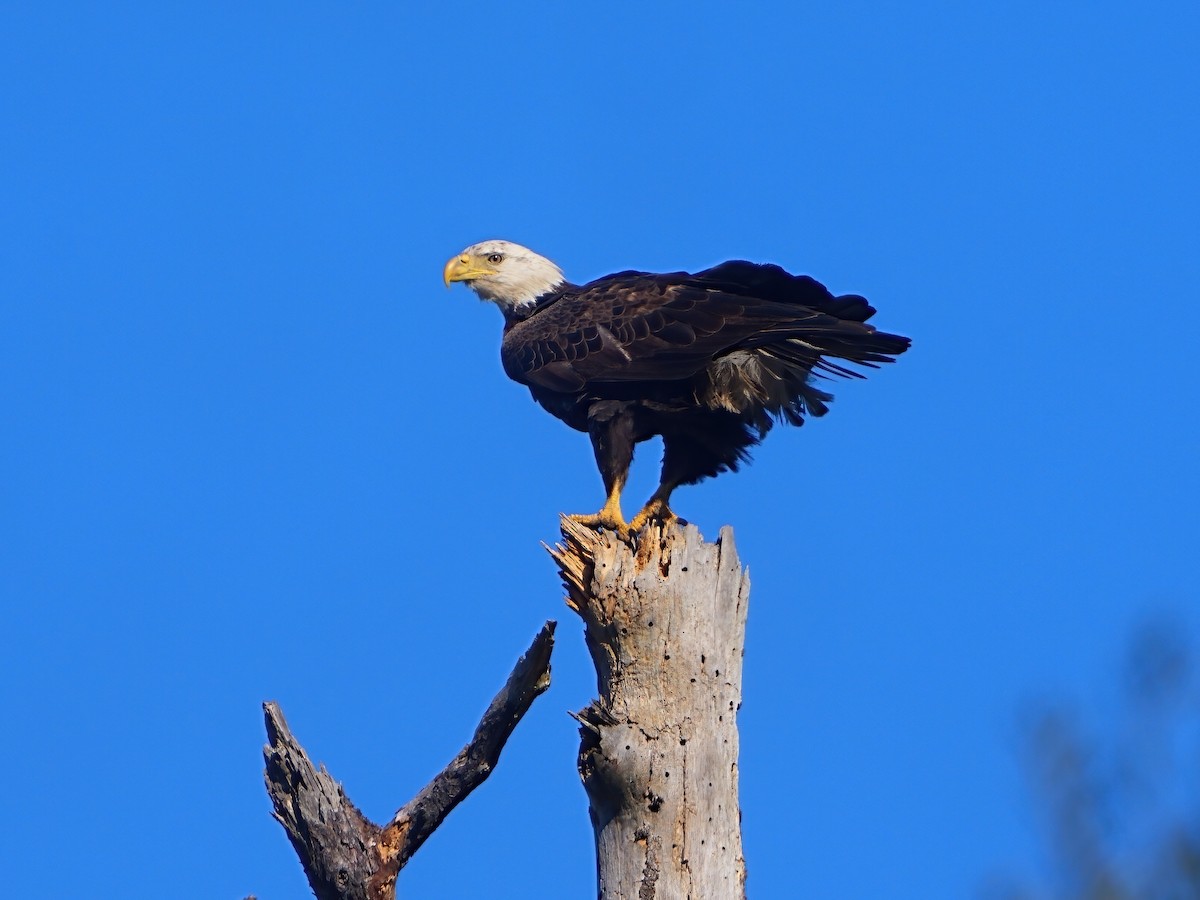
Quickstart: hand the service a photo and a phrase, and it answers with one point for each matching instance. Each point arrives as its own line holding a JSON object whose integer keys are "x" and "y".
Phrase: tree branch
{"x": 346, "y": 856}
{"x": 420, "y": 816}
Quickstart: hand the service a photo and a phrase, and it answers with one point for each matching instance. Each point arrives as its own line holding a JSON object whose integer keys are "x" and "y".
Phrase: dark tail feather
{"x": 863, "y": 346}
{"x": 798, "y": 360}
{"x": 867, "y": 349}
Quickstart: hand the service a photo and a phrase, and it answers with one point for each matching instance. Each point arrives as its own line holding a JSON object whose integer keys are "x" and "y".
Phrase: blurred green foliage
{"x": 1119, "y": 806}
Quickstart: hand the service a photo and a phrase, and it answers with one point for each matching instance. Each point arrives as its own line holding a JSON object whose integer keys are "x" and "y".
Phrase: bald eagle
{"x": 708, "y": 361}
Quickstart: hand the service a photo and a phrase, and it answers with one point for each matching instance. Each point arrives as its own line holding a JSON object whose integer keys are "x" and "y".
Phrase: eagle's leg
{"x": 676, "y": 469}
{"x": 611, "y": 432}
{"x": 690, "y": 453}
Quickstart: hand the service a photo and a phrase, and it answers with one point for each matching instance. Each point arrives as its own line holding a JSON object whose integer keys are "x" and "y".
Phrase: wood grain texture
{"x": 335, "y": 842}
{"x": 665, "y": 625}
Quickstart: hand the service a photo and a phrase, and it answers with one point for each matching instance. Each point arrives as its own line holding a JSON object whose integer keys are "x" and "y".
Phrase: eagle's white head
{"x": 504, "y": 273}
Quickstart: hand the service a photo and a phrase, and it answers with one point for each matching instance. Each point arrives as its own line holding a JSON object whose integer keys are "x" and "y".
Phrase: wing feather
{"x": 635, "y": 327}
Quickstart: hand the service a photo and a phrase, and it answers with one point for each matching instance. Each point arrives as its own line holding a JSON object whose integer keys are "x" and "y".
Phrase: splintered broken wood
{"x": 665, "y": 625}
{"x": 345, "y": 855}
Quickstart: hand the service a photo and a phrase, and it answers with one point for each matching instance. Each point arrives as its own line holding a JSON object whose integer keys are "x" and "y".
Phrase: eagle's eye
{"x": 495, "y": 258}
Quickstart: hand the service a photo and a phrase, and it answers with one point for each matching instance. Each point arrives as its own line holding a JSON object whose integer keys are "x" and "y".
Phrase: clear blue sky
{"x": 254, "y": 449}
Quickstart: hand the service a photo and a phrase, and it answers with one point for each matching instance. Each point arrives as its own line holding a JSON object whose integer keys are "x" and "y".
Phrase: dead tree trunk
{"x": 665, "y": 626}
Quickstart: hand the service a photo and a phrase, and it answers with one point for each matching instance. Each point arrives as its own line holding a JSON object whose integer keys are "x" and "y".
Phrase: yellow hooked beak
{"x": 464, "y": 268}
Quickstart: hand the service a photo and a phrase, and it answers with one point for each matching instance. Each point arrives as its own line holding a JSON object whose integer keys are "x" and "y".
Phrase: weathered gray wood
{"x": 345, "y": 855}
{"x": 332, "y": 838}
{"x": 665, "y": 626}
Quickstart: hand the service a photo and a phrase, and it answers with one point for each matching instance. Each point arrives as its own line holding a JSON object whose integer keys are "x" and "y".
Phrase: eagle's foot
{"x": 656, "y": 510}
{"x": 609, "y": 518}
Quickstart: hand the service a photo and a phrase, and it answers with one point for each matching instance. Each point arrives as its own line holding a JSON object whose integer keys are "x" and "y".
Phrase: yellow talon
{"x": 655, "y": 510}
{"x": 609, "y": 517}
{"x": 600, "y": 520}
